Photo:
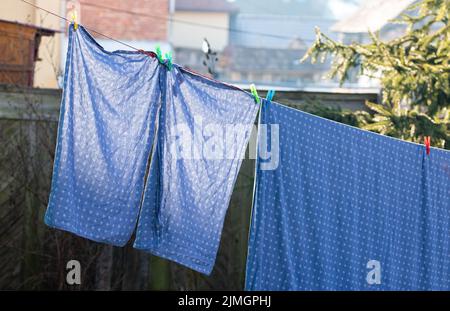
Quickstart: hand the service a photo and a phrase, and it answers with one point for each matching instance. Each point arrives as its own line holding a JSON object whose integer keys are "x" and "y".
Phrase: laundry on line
{"x": 155, "y": 148}
{"x": 116, "y": 108}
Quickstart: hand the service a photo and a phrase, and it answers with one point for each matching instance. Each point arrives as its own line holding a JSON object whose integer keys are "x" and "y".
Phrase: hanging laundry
{"x": 204, "y": 128}
{"x": 113, "y": 104}
{"x": 347, "y": 209}
{"x": 105, "y": 134}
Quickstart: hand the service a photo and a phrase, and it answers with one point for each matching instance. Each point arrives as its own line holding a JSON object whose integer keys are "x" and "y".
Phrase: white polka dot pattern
{"x": 105, "y": 133}
{"x": 186, "y": 198}
{"x": 341, "y": 197}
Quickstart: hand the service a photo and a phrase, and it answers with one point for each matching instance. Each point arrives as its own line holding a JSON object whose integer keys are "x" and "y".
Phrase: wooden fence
{"x": 33, "y": 256}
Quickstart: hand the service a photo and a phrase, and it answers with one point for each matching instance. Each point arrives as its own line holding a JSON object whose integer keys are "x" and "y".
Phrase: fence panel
{"x": 33, "y": 256}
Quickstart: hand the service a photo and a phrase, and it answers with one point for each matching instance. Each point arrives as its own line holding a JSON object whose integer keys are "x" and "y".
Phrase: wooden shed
{"x": 19, "y": 46}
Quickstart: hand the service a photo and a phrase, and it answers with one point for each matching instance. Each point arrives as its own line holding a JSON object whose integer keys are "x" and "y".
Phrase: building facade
{"x": 189, "y": 16}
{"x": 48, "y": 65}
{"x": 116, "y": 19}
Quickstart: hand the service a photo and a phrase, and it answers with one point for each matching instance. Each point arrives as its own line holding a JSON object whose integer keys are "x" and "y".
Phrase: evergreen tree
{"x": 413, "y": 70}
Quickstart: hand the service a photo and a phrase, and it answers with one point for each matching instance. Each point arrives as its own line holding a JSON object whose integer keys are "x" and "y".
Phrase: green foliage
{"x": 413, "y": 69}
{"x": 358, "y": 119}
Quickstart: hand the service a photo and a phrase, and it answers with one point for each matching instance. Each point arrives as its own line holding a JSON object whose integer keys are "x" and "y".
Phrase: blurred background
{"x": 235, "y": 41}
{"x": 249, "y": 41}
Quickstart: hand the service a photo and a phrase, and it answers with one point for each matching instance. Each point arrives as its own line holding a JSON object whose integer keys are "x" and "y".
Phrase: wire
{"x": 193, "y": 23}
{"x": 142, "y": 51}
{"x": 130, "y": 46}
{"x": 90, "y": 29}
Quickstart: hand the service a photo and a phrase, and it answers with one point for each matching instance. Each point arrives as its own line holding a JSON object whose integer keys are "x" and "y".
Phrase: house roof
{"x": 205, "y": 6}
{"x": 372, "y": 16}
{"x": 298, "y": 8}
{"x": 41, "y": 30}
{"x": 246, "y": 59}
{"x": 290, "y": 27}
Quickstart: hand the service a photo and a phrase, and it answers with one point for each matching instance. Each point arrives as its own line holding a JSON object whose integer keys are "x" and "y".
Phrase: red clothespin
{"x": 427, "y": 141}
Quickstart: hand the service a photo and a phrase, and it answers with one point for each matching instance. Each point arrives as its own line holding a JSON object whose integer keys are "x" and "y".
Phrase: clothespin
{"x": 74, "y": 19}
{"x": 168, "y": 56}
{"x": 255, "y": 93}
{"x": 159, "y": 54}
{"x": 270, "y": 95}
{"x": 427, "y": 141}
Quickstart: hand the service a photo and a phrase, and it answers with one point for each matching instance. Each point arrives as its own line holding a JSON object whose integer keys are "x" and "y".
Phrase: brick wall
{"x": 123, "y": 25}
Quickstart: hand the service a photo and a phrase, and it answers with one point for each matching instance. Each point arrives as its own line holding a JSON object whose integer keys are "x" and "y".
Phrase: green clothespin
{"x": 168, "y": 57}
{"x": 270, "y": 95}
{"x": 159, "y": 54}
{"x": 169, "y": 60}
{"x": 255, "y": 93}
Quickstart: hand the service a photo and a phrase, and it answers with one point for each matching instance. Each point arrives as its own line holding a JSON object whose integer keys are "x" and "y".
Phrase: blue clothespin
{"x": 255, "y": 93}
{"x": 270, "y": 95}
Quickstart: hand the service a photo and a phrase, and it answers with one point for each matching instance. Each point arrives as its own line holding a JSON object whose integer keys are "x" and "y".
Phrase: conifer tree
{"x": 413, "y": 69}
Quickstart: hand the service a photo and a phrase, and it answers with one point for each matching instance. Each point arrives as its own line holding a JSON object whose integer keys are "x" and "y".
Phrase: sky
{"x": 343, "y": 8}
{"x": 330, "y": 9}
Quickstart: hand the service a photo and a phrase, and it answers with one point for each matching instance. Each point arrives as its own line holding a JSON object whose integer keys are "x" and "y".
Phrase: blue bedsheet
{"x": 119, "y": 106}
{"x": 347, "y": 209}
{"x": 105, "y": 134}
{"x": 202, "y": 136}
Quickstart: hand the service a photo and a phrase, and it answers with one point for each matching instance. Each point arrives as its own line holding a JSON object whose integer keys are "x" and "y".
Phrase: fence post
{"x": 32, "y": 234}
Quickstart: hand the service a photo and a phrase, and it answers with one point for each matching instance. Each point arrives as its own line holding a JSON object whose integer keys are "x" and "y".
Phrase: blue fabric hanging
{"x": 105, "y": 133}
{"x": 346, "y": 209}
{"x": 113, "y": 103}
{"x": 204, "y": 127}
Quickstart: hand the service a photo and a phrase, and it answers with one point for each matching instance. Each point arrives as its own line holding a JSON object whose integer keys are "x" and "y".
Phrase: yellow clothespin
{"x": 74, "y": 19}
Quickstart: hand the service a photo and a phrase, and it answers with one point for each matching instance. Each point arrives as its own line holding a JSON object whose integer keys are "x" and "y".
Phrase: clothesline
{"x": 229, "y": 29}
{"x": 88, "y": 28}
{"x": 109, "y": 197}
{"x": 170, "y": 19}
{"x": 132, "y": 47}
{"x": 151, "y": 54}
{"x": 345, "y": 209}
